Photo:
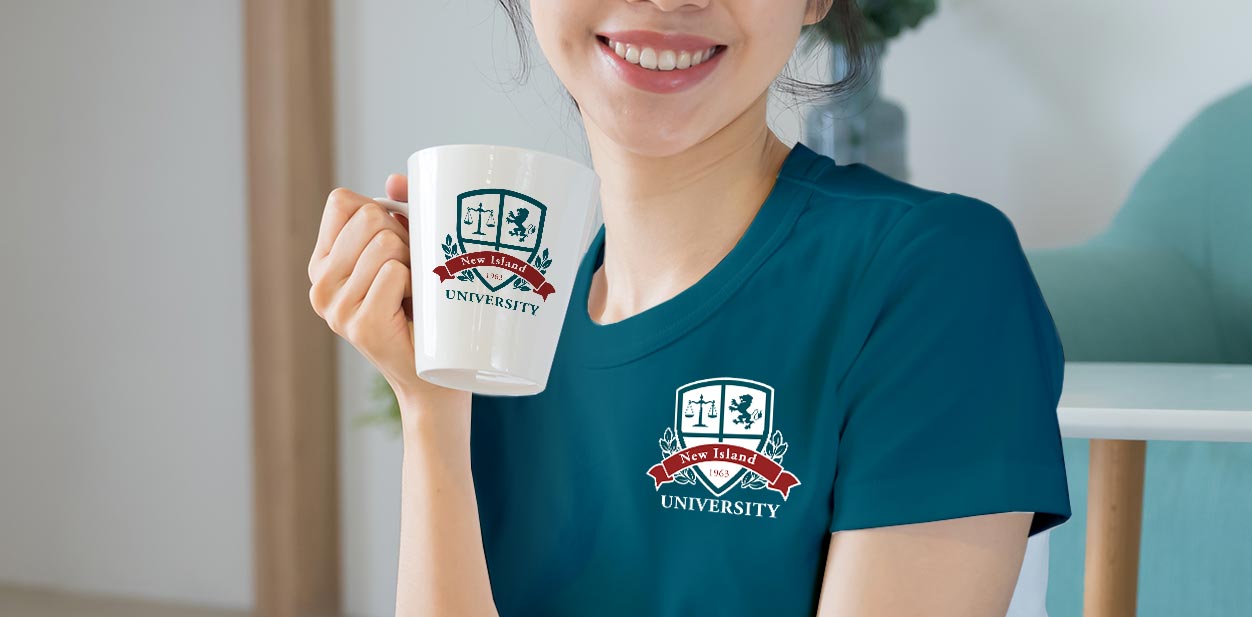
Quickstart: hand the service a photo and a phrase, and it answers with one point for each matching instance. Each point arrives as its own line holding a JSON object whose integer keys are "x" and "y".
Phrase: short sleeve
{"x": 949, "y": 398}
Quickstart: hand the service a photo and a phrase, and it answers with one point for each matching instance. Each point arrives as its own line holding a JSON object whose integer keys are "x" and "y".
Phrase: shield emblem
{"x": 499, "y": 220}
{"x": 723, "y": 410}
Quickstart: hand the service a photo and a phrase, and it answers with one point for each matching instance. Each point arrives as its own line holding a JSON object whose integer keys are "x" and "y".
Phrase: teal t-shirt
{"x": 869, "y": 353}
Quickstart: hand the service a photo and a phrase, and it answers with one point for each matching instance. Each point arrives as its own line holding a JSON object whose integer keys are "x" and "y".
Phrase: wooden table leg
{"x": 1114, "y": 519}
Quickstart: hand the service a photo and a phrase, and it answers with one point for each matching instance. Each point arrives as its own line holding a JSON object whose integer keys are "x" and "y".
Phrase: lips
{"x": 664, "y": 77}
{"x": 660, "y": 40}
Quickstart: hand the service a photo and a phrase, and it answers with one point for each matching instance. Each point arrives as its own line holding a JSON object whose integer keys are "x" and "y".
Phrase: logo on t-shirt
{"x": 498, "y": 244}
{"x": 723, "y": 438}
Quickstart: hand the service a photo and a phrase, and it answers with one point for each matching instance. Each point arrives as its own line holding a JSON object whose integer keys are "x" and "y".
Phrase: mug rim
{"x": 516, "y": 149}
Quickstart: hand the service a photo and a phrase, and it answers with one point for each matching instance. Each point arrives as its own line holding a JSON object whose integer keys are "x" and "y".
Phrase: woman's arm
{"x": 962, "y": 567}
{"x": 443, "y": 570}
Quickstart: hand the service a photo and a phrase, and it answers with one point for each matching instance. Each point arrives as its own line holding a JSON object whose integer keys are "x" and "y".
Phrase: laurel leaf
{"x": 753, "y": 480}
{"x": 449, "y": 250}
{"x": 779, "y": 452}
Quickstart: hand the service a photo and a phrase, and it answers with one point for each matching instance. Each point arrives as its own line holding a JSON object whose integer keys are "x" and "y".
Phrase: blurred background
{"x": 132, "y": 435}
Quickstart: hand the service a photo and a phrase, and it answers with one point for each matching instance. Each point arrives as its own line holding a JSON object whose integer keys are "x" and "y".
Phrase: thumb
{"x": 398, "y": 187}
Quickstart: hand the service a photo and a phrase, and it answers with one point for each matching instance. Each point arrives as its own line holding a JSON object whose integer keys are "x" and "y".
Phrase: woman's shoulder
{"x": 858, "y": 198}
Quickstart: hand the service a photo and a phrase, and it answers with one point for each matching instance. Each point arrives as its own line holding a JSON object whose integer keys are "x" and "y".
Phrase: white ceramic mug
{"x": 496, "y": 235}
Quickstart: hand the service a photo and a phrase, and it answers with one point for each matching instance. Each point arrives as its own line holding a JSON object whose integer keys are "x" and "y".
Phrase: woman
{"x": 784, "y": 386}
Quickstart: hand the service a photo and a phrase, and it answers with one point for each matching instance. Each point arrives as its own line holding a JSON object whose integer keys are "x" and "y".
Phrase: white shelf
{"x": 1157, "y": 401}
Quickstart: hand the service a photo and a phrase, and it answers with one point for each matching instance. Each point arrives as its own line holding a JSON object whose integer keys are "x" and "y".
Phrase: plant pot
{"x": 861, "y": 126}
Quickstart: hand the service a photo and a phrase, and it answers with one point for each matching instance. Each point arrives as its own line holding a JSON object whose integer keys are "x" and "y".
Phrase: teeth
{"x": 663, "y": 60}
{"x": 666, "y": 61}
{"x": 647, "y": 58}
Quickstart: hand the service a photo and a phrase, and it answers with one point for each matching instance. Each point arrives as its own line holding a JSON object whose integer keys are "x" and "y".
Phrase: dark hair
{"x": 843, "y": 17}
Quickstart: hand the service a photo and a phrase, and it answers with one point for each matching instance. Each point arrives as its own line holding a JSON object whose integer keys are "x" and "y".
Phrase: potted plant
{"x": 863, "y": 127}
{"x": 884, "y": 20}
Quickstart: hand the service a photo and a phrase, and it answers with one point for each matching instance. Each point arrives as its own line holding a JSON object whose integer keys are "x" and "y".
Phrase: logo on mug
{"x": 498, "y": 242}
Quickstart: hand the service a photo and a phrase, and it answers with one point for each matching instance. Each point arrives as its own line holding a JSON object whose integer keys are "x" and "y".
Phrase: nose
{"x": 675, "y": 5}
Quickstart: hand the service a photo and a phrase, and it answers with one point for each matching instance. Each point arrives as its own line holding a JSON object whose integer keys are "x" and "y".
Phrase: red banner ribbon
{"x": 778, "y": 478}
{"x": 477, "y": 259}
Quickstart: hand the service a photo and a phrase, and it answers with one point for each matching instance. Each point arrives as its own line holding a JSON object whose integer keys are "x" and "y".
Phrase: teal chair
{"x": 1169, "y": 280}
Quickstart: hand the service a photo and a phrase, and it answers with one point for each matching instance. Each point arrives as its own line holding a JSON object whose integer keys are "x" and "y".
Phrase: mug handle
{"x": 391, "y": 205}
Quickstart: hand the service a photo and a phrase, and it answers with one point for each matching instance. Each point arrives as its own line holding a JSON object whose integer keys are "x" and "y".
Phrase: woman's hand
{"x": 361, "y": 283}
{"x": 361, "y": 287}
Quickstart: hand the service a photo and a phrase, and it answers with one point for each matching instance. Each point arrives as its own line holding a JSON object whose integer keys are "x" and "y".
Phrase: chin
{"x": 651, "y": 141}
{"x": 655, "y": 133}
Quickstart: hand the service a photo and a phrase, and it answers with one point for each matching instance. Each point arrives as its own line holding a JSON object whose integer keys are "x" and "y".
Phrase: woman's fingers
{"x": 385, "y": 292}
{"x": 385, "y": 246}
{"x": 398, "y": 187}
{"x": 370, "y": 218}
{"x": 341, "y": 204}
{"x": 342, "y": 208}
{"x": 381, "y": 316}
{"x": 330, "y": 272}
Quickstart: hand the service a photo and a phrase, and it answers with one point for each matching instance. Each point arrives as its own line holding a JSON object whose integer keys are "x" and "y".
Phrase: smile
{"x": 660, "y": 59}
{"x": 659, "y": 67}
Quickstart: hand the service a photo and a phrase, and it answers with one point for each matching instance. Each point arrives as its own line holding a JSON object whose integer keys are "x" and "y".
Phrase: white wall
{"x": 1050, "y": 110}
{"x": 1047, "y": 110}
{"x": 124, "y": 431}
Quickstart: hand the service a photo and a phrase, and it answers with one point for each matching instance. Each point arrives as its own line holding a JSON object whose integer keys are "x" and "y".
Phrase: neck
{"x": 669, "y": 220}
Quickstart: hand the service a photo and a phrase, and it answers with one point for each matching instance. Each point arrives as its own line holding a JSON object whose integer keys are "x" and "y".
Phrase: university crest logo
{"x": 498, "y": 242}
{"x": 723, "y": 438}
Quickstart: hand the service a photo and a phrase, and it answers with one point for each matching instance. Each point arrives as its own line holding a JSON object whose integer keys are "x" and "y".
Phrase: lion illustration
{"x": 743, "y": 407}
{"x": 517, "y": 218}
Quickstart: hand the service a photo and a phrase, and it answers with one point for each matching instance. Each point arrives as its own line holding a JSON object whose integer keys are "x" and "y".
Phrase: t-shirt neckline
{"x": 603, "y": 345}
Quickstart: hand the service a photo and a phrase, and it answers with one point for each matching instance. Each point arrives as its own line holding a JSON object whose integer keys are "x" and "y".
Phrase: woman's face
{"x": 656, "y": 112}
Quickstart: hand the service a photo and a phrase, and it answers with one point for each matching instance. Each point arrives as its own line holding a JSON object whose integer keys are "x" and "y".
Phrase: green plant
{"x": 387, "y": 409}
{"x": 884, "y": 20}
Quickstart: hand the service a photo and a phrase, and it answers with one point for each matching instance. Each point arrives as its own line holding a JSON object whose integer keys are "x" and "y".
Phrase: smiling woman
{"x": 783, "y": 386}
{"x": 843, "y": 21}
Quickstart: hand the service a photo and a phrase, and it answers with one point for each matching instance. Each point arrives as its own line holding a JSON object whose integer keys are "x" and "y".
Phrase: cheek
{"x": 773, "y": 39}
{"x": 562, "y": 30}
{"x": 545, "y": 27}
